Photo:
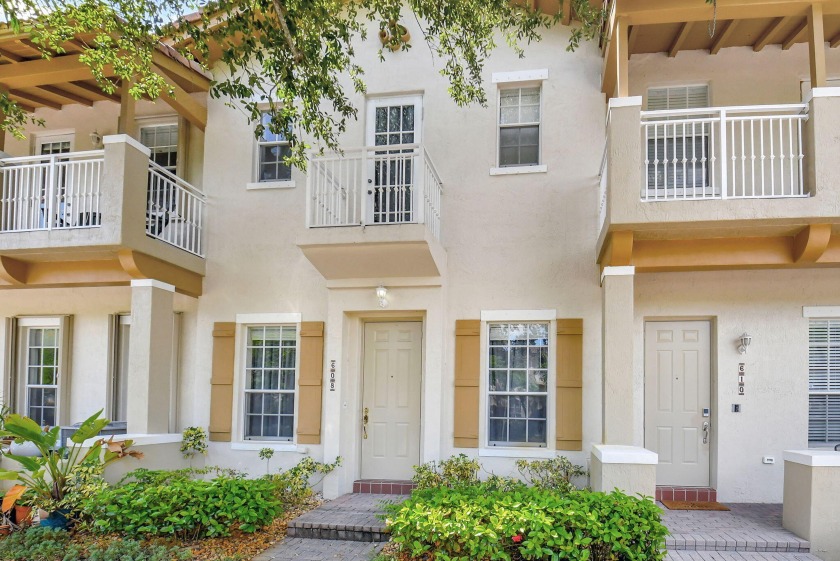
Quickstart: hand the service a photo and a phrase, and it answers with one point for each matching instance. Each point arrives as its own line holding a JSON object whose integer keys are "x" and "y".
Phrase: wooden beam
{"x": 680, "y": 38}
{"x": 793, "y": 37}
{"x": 185, "y": 105}
{"x": 35, "y": 99}
{"x": 70, "y": 96}
{"x": 176, "y": 70}
{"x": 39, "y": 72}
{"x": 96, "y": 90}
{"x": 816, "y": 45}
{"x": 835, "y": 41}
{"x": 622, "y": 85}
{"x": 651, "y": 12}
{"x": 11, "y": 56}
{"x": 128, "y": 120}
{"x": 567, "y": 12}
{"x": 810, "y": 243}
{"x": 718, "y": 43}
{"x": 634, "y": 38}
{"x": 771, "y": 30}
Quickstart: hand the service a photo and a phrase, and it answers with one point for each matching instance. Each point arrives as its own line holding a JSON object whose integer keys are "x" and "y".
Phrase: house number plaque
{"x": 741, "y": 372}
{"x": 332, "y": 375}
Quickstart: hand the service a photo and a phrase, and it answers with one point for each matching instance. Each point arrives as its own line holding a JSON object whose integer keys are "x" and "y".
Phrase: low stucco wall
{"x": 629, "y": 469}
{"x": 812, "y": 500}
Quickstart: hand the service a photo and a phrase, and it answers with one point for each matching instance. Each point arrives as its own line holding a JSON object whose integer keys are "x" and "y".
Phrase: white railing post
{"x": 724, "y": 179}
{"x": 365, "y": 179}
{"x": 418, "y": 204}
{"x": 309, "y": 191}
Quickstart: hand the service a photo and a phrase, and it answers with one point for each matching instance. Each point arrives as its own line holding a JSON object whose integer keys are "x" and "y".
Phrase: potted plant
{"x": 393, "y": 34}
{"x": 49, "y": 475}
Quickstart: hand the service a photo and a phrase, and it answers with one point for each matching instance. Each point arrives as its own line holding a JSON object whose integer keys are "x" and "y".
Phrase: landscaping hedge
{"x": 481, "y": 522}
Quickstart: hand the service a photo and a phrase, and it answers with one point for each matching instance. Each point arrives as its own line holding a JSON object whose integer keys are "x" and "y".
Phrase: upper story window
{"x": 272, "y": 149}
{"x": 162, "y": 140}
{"x": 519, "y": 126}
{"x": 678, "y": 97}
{"x": 517, "y": 398}
{"x": 824, "y": 382}
{"x": 270, "y": 377}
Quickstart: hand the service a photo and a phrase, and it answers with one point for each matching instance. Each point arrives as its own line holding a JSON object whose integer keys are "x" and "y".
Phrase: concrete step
{"x": 739, "y": 556}
{"x": 356, "y": 517}
{"x": 737, "y": 541}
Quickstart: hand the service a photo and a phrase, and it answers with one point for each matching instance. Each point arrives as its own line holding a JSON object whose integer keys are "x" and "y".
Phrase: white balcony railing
{"x": 375, "y": 185}
{"x": 60, "y": 191}
{"x": 174, "y": 210}
{"x": 722, "y": 153}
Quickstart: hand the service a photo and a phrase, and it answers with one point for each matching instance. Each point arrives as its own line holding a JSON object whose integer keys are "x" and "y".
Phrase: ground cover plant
{"x": 543, "y": 516}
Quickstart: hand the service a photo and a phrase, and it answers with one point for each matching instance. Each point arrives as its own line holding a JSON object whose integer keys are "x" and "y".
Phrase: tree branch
{"x": 281, "y": 14}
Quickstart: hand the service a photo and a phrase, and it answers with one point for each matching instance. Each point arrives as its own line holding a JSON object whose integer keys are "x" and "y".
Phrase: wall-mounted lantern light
{"x": 744, "y": 342}
{"x": 382, "y": 295}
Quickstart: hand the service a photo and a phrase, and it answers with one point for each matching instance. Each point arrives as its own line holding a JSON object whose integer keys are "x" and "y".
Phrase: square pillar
{"x": 617, "y": 324}
{"x": 812, "y": 499}
{"x": 150, "y": 356}
{"x": 630, "y": 469}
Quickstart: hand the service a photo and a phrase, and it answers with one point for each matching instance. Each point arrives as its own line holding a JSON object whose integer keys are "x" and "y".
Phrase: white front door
{"x": 678, "y": 400}
{"x": 392, "y": 121}
{"x": 391, "y": 406}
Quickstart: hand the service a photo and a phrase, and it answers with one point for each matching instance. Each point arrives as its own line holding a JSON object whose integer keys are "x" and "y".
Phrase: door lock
{"x": 365, "y": 423}
{"x": 705, "y": 432}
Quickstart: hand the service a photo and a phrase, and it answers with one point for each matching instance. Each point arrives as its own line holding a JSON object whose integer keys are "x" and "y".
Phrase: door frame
{"x": 714, "y": 399}
{"x": 386, "y": 317}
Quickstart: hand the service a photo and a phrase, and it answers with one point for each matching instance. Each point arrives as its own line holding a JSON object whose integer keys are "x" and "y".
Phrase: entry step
{"x": 356, "y": 517}
{"x": 671, "y": 493}
{"x": 384, "y": 486}
{"x": 738, "y": 556}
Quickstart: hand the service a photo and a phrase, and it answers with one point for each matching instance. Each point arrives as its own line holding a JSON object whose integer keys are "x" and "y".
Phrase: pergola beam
{"x": 724, "y": 36}
{"x": 185, "y": 105}
{"x": 649, "y": 12}
{"x": 96, "y": 90}
{"x": 31, "y": 98}
{"x": 794, "y": 37}
{"x": 771, "y": 30}
{"x": 41, "y": 72}
{"x": 680, "y": 38}
{"x": 816, "y": 45}
{"x": 70, "y": 96}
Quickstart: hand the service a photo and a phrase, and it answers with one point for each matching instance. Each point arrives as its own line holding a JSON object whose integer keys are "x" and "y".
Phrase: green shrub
{"x": 481, "y": 523}
{"x": 557, "y": 473}
{"x": 294, "y": 486}
{"x": 43, "y": 544}
{"x": 171, "y": 503}
{"x": 456, "y": 471}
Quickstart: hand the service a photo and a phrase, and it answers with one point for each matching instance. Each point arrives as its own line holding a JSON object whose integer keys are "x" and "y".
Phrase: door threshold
{"x": 682, "y": 493}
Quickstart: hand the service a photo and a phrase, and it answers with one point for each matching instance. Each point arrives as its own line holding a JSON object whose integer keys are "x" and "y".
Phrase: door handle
{"x": 365, "y": 423}
{"x": 705, "y": 432}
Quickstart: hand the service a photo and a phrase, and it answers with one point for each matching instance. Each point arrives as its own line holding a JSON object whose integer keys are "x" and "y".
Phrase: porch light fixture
{"x": 745, "y": 341}
{"x": 96, "y": 140}
{"x": 382, "y": 295}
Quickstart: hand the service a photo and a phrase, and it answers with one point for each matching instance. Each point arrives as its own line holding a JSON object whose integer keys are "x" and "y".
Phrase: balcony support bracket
{"x": 811, "y": 243}
{"x": 13, "y": 271}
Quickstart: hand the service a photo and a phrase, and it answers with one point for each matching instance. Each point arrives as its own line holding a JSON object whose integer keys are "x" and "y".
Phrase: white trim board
{"x": 821, "y": 311}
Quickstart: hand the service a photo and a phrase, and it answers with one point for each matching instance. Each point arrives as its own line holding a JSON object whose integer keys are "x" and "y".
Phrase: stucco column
{"x": 617, "y": 309}
{"x": 150, "y": 356}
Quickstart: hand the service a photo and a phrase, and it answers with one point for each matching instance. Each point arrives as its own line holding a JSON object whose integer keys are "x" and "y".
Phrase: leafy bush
{"x": 480, "y": 523}
{"x": 193, "y": 441}
{"x": 171, "y": 503}
{"x": 294, "y": 486}
{"x": 456, "y": 471}
{"x": 39, "y": 544}
{"x": 555, "y": 473}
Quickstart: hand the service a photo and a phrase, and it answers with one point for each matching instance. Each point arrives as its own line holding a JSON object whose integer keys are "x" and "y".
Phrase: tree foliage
{"x": 287, "y": 55}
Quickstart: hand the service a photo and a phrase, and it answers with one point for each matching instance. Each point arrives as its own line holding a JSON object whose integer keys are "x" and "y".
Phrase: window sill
{"x": 276, "y": 446}
{"x": 519, "y": 170}
{"x": 516, "y": 452}
{"x": 270, "y": 185}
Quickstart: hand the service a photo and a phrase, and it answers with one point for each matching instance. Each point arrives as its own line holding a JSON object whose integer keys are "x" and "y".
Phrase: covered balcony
{"x": 99, "y": 217}
{"x": 374, "y": 213}
{"x": 704, "y": 187}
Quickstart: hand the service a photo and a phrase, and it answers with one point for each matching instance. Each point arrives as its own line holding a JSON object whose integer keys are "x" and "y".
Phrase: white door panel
{"x": 392, "y": 381}
{"x": 677, "y": 390}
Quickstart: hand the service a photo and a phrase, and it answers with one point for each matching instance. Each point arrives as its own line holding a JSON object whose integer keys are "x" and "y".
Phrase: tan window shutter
{"x": 569, "y": 415}
{"x": 221, "y": 390}
{"x": 467, "y": 372}
{"x": 310, "y": 382}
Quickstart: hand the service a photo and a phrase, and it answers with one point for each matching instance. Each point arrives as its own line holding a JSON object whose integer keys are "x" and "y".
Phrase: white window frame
{"x": 517, "y": 316}
{"x": 243, "y": 322}
{"x": 518, "y": 80}
{"x": 49, "y": 137}
{"x": 256, "y": 184}
{"x": 816, "y": 315}
{"x": 150, "y": 123}
{"x": 24, "y": 324}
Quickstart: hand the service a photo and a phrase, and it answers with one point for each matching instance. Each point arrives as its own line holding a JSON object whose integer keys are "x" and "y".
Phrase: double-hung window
{"x": 270, "y": 373}
{"x": 162, "y": 140}
{"x": 824, "y": 382}
{"x": 41, "y": 368}
{"x": 517, "y": 397}
{"x": 272, "y": 150}
{"x": 519, "y": 126}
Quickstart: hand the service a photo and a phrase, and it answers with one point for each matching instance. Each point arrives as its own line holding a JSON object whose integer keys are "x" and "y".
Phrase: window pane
{"x": 287, "y": 380}
{"x": 537, "y": 380}
{"x": 286, "y": 426}
{"x": 518, "y": 381}
{"x": 498, "y": 406}
{"x": 498, "y": 381}
{"x": 536, "y": 431}
{"x": 498, "y": 430}
{"x": 517, "y": 430}
{"x": 271, "y": 404}
{"x": 509, "y": 115}
{"x": 518, "y": 407}
{"x": 381, "y": 119}
{"x": 509, "y": 98}
{"x": 287, "y": 403}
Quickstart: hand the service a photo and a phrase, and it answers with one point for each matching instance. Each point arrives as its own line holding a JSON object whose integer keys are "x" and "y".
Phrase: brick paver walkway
{"x": 302, "y": 549}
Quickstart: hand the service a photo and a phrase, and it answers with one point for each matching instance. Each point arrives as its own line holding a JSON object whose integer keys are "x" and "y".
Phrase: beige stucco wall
{"x": 631, "y": 479}
{"x": 768, "y": 306}
{"x": 811, "y": 509}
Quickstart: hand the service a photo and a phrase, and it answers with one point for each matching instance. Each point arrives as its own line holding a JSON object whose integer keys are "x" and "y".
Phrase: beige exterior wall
{"x": 811, "y": 510}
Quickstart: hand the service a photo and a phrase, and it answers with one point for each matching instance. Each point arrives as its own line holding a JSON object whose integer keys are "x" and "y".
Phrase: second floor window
{"x": 519, "y": 127}
{"x": 273, "y": 149}
{"x": 162, "y": 140}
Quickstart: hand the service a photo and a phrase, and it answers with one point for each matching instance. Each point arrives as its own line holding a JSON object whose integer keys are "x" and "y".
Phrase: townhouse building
{"x": 632, "y": 244}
